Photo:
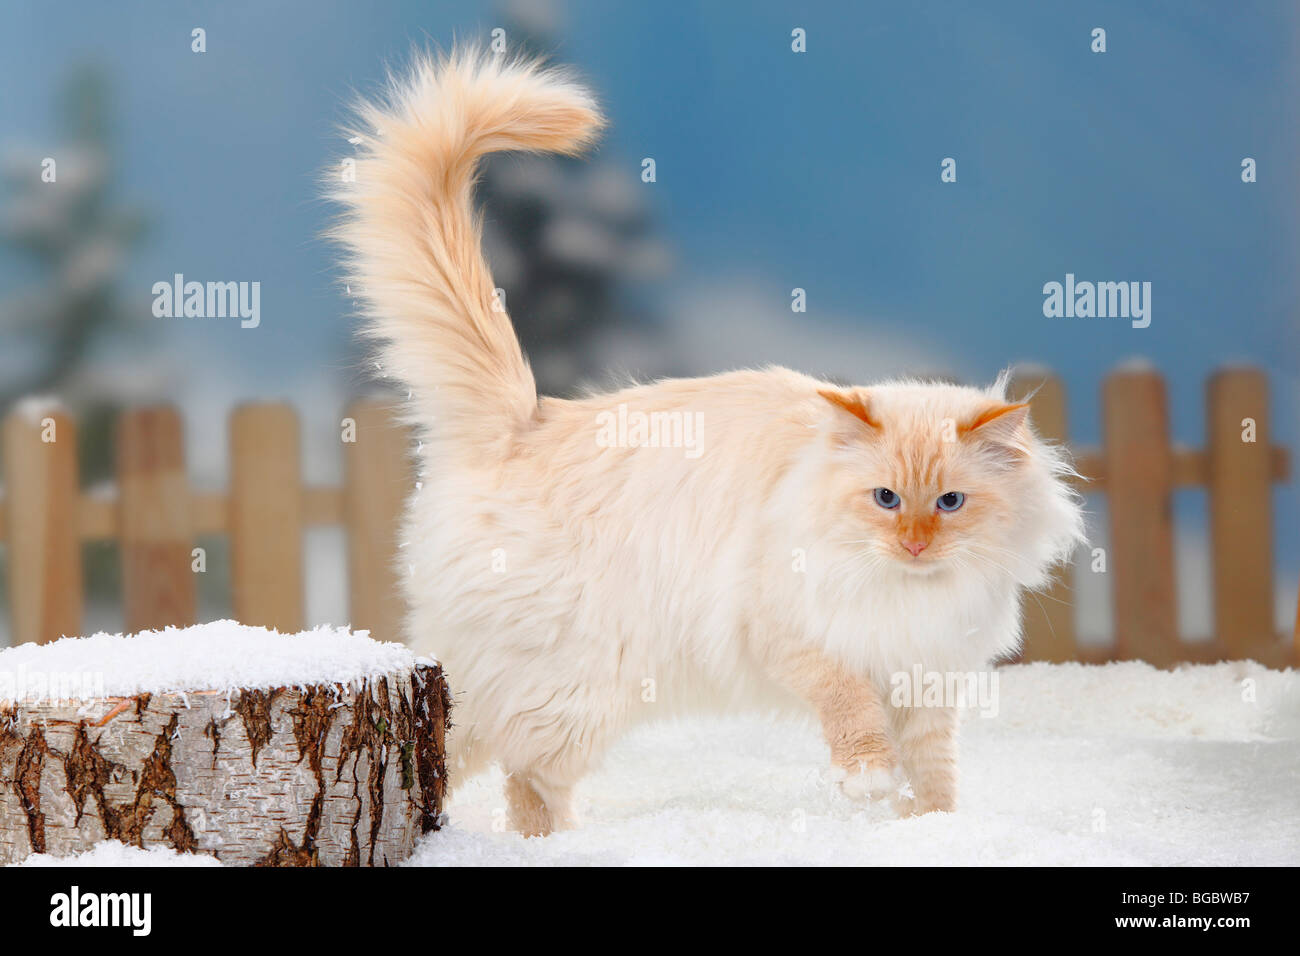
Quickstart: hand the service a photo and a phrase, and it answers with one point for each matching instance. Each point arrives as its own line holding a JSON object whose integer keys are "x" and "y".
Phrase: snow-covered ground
{"x": 113, "y": 853}
{"x": 1122, "y": 764}
{"x": 1114, "y": 765}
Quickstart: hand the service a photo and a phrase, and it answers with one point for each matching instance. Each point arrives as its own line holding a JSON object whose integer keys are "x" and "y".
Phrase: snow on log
{"x": 257, "y": 748}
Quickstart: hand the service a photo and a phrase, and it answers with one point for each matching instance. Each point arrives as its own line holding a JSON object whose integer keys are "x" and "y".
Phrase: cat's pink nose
{"x": 915, "y": 547}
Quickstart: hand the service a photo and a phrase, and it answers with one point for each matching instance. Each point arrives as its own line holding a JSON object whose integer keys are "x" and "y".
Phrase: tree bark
{"x": 323, "y": 775}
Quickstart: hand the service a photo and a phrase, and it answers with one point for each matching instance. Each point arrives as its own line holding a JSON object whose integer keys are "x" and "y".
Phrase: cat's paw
{"x": 908, "y": 804}
{"x": 866, "y": 783}
{"x": 903, "y": 800}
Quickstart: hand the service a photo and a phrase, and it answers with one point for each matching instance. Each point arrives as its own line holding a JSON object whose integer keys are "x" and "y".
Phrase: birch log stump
{"x": 321, "y": 775}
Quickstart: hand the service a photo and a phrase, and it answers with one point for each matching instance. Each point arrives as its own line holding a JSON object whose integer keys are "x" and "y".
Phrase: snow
{"x": 114, "y": 853}
{"x": 218, "y": 656}
{"x": 1116, "y": 765}
{"x": 34, "y": 409}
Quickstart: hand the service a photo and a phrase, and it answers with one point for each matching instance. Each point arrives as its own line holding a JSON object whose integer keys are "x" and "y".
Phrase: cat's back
{"x": 710, "y": 418}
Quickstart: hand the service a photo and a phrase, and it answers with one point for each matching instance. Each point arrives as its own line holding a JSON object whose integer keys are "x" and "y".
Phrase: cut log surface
{"x": 253, "y": 747}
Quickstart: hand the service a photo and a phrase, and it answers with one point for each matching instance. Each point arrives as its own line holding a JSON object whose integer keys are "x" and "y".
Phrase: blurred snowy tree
{"x": 69, "y": 239}
{"x": 565, "y": 237}
{"x": 60, "y": 219}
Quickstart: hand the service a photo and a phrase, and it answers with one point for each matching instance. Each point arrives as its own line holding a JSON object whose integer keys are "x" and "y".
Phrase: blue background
{"x": 774, "y": 170}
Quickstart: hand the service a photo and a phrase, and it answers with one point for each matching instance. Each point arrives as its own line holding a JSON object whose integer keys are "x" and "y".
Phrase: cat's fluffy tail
{"x": 412, "y": 237}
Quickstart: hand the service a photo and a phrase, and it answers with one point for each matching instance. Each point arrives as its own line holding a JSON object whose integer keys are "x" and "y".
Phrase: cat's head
{"x": 925, "y": 478}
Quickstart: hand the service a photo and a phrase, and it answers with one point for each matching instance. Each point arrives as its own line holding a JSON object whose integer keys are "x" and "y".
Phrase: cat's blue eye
{"x": 951, "y": 501}
{"x": 886, "y": 498}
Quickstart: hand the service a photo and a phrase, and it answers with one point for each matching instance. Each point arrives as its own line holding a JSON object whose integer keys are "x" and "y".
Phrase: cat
{"x": 575, "y": 579}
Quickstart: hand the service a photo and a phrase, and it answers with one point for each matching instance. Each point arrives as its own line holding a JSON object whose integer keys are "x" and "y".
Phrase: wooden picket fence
{"x": 155, "y": 517}
{"x": 1138, "y": 469}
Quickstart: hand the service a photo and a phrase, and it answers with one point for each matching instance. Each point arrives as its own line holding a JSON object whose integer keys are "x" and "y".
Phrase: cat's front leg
{"x": 853, "y": 721}
{"x": 926, "y": 738}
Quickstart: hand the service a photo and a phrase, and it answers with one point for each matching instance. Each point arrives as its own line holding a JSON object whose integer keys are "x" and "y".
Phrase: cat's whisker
{"x": 1036, "y": 595}
{"x": 1037, "y": 592}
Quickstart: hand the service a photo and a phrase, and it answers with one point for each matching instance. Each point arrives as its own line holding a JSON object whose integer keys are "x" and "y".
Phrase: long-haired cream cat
{"x": 563, "y": 563}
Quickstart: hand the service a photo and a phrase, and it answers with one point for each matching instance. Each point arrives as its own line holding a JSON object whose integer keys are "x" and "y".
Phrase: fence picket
{"x": 378, "y": 479}
{"x": 1241, "y": 512}
{"x": 266, "y": 517}
{"x": 1049, "y": 616}
{"x": 41, "y": 521}
{"x": 154, "y": 520}
{"x": 1139, "y": 461}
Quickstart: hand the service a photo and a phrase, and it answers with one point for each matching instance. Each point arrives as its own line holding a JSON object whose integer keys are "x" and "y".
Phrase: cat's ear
{"x": 854, "y": 401}
{"x": 1000, "y": 423}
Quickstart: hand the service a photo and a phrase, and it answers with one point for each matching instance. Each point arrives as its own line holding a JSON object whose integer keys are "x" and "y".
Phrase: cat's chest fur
{"x": 889, "y": 626}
